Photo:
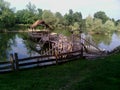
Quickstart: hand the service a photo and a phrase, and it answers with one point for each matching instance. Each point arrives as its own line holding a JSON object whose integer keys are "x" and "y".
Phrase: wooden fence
{"x": 16, "y": 64}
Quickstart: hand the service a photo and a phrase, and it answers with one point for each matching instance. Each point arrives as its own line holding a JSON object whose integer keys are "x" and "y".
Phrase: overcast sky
{"x": 86, "y": 7}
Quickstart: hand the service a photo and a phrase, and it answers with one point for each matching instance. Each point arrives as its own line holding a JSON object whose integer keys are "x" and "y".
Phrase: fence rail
{"x": 15, "y": 64}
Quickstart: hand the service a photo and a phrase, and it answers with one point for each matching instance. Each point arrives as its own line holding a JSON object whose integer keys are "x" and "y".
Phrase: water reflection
{"x": 6, "y": 40}
{"x": 107, "y": 42}
{"x": 112, "y": 42}
{"x": 21, "y": 47}
{"x": 98, "y": 38}
{"x": 14, "y": 43}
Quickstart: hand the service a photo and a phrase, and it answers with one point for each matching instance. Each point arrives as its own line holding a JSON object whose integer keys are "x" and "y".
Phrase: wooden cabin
{"x": 38, "y": 23}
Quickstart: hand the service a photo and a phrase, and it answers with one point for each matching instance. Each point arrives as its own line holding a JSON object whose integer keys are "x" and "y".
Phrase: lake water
{"x": 114, "y": 42}
{"x": 17, "y": 43}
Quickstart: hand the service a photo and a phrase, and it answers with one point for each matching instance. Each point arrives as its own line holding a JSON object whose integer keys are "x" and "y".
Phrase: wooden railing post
{"x": 81, "y": 54}
{"x": 38, "y": 62}
{"x": 16, "y": 61}
{"x": 56, "y": 56}
{"x": 12, "y": 62}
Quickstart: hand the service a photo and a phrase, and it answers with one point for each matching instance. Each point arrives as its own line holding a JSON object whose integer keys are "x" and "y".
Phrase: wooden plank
{"x": 35, "y": 57}
{"x": 6, "y": 67}
{"x": 6, "y": 62}
{"x": 28, "y": 63}
{"x": 5, "y": 71}
{"x": 46, "y": 56}
{"x": 70, "y": 52}
{"x": 36, "y": 62}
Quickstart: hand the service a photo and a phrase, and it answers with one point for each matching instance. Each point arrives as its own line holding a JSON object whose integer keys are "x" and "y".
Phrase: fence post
{"x": 56, "y": 56}
{"x": 81, "y": 54}
{"x": 52, "y": 51}
{"x": 16, "y": 61}
{"x": 12, "y": 62}
{"x": 38, "y": 62}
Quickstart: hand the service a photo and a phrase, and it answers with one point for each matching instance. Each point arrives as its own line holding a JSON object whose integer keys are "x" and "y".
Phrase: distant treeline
{"x": 71, "y": 20}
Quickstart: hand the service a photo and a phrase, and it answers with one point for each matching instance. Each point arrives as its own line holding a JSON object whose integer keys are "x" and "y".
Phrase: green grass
{"x": 100, "y": 74}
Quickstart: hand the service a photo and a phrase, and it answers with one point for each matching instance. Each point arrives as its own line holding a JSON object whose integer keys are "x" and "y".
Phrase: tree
{"x": 97, "y": 25}
{"x": 101, "y": 15}
{"x": 117, "y": 22}
{"x": 49, "y": 17}
{"x": 76, "y": 26}
{"x": 69, "y": 17}
{"x": 24, "y": 17}
{"x": 40, "y": 12}
{"x": 4, "y": 4}
{"x": 28, "y": 15}
{"x": 109, "y": 26}
{"x": 19, "y": 16}
{"x": 60, "y": 19}
{"x": 118, "y": 26}
{"x": 31, "y": 8}
{"x": 83, "y": 25}
{"x": 77, "y": 17}
{"x": 89, "y": 23}
{"x": 7, "y": 17}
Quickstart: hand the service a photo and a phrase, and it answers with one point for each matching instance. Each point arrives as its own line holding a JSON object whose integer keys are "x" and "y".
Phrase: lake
{"x": 18, "y": 43}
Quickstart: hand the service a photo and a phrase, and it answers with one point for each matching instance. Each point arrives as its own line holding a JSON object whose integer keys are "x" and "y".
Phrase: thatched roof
{"x": 40, "y": 22}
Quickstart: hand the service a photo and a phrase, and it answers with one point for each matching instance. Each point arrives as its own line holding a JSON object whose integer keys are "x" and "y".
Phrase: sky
{"x": 86, "y": 7}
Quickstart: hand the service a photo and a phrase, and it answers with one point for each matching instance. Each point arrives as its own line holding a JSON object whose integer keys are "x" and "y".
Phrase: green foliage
{"x": 6, "y": 40}
{"x": 4, "y": 4}
{"x": 118, "y": 26}
{"x": 68, "y": 19}
{"x": 101, "y": 15}
{"x": 83, "y": 25}
{"x": 77, "y": 17}
{"x": 49, "y": 17}
{"x": 76, "y": 26}
{"x": 71, "y": 20}
{"x": 40, "y": 12}
{"x": 109, "y": 26}
{"x": 59, "y": 18}
{"x": 117, "y": 22}
{"x": 7, "y": 16}
{"x": 89, "y": 23}
{"x": 27, "y": 16}
{"x": 97, "y": 25}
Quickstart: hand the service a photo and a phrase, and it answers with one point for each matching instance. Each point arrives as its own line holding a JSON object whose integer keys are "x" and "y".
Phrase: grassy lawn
{"x": 100, "y": 74}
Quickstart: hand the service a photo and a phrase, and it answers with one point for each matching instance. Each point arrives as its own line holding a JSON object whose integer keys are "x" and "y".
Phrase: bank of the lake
{"x": 99, "y": 74}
